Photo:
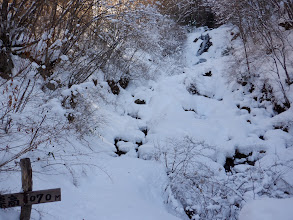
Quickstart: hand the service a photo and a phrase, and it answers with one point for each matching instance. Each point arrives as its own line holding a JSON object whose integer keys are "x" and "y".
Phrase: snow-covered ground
{"x": 130, "y": 189}
{"x": 198, "y": 106}
{"x": 268, "y": 209}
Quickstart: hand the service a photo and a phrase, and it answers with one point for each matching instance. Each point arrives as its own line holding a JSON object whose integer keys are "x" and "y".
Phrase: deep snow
{"x": 131, "y": 186}
{"x": 269, "y": 209}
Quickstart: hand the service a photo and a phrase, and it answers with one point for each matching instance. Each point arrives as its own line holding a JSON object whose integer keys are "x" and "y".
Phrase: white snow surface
{"x": 128, "y": 188}
{"x": 132, "y": 186}
{"x": 134, "y": 189}
{"x": 268, "y": 209}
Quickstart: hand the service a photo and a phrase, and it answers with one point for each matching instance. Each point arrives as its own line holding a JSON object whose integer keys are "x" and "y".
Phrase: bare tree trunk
{"x": 6, "y": 63}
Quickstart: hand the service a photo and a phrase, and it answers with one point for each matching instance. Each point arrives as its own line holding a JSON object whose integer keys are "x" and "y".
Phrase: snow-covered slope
{"x": 132, "y": 189}
{"x": 202, "y": 111}
{"x": 192, "y": 140}
{"x": 128, "y": 188}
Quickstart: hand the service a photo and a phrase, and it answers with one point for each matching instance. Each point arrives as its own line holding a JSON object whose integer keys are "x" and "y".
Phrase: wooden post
{"x": 27, "y": 186}
{"x": 28, "y": 197}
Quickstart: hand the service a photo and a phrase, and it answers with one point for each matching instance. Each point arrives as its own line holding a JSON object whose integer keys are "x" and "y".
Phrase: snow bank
{"x": 132, "y": 189}
{"x": 122, "y": 189}
{"x": 268, "y": 209}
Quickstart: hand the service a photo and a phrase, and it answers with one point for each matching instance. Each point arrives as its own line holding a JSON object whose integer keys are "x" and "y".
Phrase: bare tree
{"x": 264, "y": 30}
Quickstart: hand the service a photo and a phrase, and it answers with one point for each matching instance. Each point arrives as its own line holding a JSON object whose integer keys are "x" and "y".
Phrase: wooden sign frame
{"x": 28, "y": 197}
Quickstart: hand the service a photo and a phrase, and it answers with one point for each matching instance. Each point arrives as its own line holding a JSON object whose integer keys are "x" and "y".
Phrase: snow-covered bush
{"x": 51, "y": 51}
{"x": 27, "y": 121}
{"x": 149, "y": 38}
{"x": 206, "y": 191}
{"x": 264, "y": 58}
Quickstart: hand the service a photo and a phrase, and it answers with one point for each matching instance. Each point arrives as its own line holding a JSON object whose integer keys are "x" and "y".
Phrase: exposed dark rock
{"x": 205, "y": 45}
{"x": 238, "y": 158}
{"x": 139, "y": 102}
{"x": 209, "y": 74}
{"x": 123, "y": 82}
{"x": 283, "y": 128}
{"x": 114, "y": 87}
{"x": 195, "y": 40}
{"x": 189, "y": 110}
{"x": 247, "y": 109}
{"x": 190, "y": 212}
{"x": 252, "y": 88}
{"x": 139, "y": 143}
{"x": 118, "y": 151}
{"x": 280, "y": 108}
{"x": 229, "y": 163}
{"x": 251, "y": 163}
{"x": 244, "y": 108}
{"x": 239, "y": 155}
{"x": 145, "y": 131}
{"x": 192, "y": 89}
{"x": 70, "y": 117}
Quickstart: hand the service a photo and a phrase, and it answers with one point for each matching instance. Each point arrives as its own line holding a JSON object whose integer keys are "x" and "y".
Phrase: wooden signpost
{"x": 28, "y": 197}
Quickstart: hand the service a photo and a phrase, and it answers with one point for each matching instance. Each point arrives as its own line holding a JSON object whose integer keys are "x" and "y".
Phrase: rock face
{"x": 205, "y": 45}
